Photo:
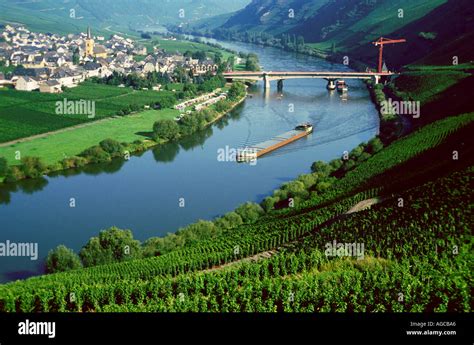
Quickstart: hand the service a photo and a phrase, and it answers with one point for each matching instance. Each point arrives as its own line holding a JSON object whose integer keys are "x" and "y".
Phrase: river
{"x": 143, "y": 194}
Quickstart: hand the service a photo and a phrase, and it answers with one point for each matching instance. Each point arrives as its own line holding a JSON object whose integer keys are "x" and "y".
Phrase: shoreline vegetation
{"x": 322, "y": 184}
{"x": 304, "y": 188}
{"x": 57, "y": 151}
{"x": 107, "y": 149}
{"x": 324, "y": 178}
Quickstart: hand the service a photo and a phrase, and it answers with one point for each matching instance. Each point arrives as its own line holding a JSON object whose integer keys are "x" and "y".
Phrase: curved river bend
{"x": 143, "y": 194}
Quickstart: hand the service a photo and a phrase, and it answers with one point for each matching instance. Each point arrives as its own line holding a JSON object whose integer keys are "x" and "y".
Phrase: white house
{"x": 25, "y": 83}
{"x": 50, "y": 86}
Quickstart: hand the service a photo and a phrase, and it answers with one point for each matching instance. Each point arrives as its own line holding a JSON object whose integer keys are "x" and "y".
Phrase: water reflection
{"x": 26, "y": 186}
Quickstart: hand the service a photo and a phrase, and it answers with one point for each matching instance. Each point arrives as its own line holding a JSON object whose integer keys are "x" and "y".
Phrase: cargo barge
{"x": 253, "y": 152}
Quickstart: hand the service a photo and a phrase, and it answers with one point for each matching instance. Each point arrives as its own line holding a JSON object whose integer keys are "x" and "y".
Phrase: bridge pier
{"x": 377, "y": 79}
{"x": 280, "y": 85}
{"x": 266, "y": 82}
{"x": 331, "y": 84}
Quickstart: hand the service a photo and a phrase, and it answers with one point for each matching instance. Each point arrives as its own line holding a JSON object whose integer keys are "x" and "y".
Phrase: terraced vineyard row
{"x": 305, "y": 280}
{"x": 397, "y": 153}
{"x": 233, "y": 245}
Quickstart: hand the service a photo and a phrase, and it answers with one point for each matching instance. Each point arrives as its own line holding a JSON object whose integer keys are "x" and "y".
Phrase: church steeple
{"x": 89, "y": 43}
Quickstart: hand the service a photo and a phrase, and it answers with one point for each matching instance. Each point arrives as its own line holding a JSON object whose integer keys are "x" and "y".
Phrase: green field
{"x": 56, "y": 147}
{"x": 24, "y": 114}
{"x": 183, "y": 46}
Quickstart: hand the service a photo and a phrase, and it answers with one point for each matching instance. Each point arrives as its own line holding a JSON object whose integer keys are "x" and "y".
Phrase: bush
{"x": 336, "y": 164}
{"x": 112, "y": 147}
{"x": 308, "y": 180}
{"x": 14, "y": 174}
{"x": 73, "y": 162}
{"x": 363, "y": 157}
{"x": 375, "y": 145}
{"x": 296, "y": 189}
{"x": 202, "y": 230}
{"x": 250, "y": 212}
{"x": 95, "y": 154}
{"x": 321, "y": 167}
{"x": 236, "y": 91}
{"x": 166, "y": 129}
{"x": 269, "y": 203}
{"x": 156, "y": 246}
{"x": 188, "y": 125}
{"x": 348, "y": 165}
{"x": 112, "y": 245}
{"x": 229, "y": 220}
{"x": 356, "y": 152}
{"x": 153, "y": 247}
{"x": 322, "y": 186}
{"x": 33, "y": 167}
{"x": 3, "y": 166}
{"x": 62, "y": 259}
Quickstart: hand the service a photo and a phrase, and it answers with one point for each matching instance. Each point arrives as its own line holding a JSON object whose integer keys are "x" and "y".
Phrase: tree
{"x": 32, "y": 167}
{"x": 375, "y": 145}
{"x": 356, "y": 152}
{"x": 14, "y": 174}
{"x": 236, "y": 91}
{"x": 76, "y": 56}
{"x": 112, "y": 147}
{"x": 296, "y": 188}
{"x": 199, "y": 55}
{"x": 165, "y": 129}
{"x": 250, "y": 212}
{"x": 3, "y": 166}
{"x": 229, "y": 220}
{"x": 252, "y": 63}
{"x": 62, "y": 259}
{"x": 202, "y": 230}
{"x": 153, "y": 247}
{"x": 269, "y": 202}
{"x": 321, "y": 167}
{"x": 218, "y": 57}
{"x": 308, "y": 180}
{"x": 112, "y": 245}
{"x": 95, "y": 154}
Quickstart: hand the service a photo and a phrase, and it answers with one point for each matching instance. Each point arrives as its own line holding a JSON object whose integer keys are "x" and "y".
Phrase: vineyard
{"x": 416, "y": 256}
{"x": 25, "y": 114}
{"x": 405, "y": 246}
{"x": 376, "y": 173}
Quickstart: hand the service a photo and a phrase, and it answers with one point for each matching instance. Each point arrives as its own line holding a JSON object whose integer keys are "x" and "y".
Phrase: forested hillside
{"x": 45, "y": 15}
{"x": 436, "y": 30}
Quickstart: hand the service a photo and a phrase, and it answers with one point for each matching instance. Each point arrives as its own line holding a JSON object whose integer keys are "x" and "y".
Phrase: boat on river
{"x": 251, "y": 153}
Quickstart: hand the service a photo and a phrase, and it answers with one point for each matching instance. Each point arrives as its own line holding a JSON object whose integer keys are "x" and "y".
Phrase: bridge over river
{"x": 330, "y": 76}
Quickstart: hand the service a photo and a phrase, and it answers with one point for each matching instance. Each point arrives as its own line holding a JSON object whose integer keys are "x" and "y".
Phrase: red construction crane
{"x": 380, "y": 42}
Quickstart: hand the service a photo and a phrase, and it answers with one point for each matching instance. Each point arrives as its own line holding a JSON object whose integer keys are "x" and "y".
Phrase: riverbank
{"x": 62, "y": 151}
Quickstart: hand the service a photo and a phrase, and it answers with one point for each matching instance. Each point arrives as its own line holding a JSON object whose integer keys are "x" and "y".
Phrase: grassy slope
{"x": 23, "y": 114}
{"x": 120, "y": 15}
{"x": 45, "y": 17}
{"x": 384, "y": 19}
{"x": 451, "y": 24}
{"x": 381, "y": 21}
{"x": 183, "y": 46}
{"x": 55, "y": 147}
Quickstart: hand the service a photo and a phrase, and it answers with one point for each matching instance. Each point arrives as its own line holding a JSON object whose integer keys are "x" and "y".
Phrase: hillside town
{"x": 50, "y": 62}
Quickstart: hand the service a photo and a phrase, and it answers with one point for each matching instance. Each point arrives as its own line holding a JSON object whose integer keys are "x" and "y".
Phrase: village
{"x": 49, "y": 63}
